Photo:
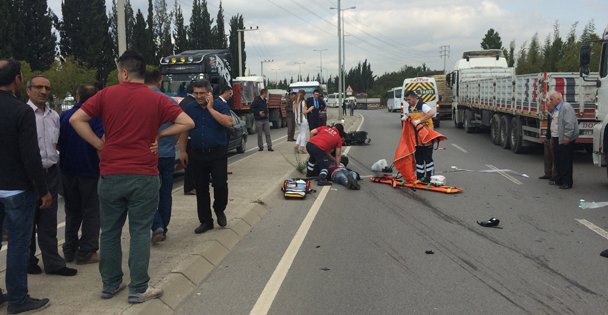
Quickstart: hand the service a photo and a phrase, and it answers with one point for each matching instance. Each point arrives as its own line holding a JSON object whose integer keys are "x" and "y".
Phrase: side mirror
{"x": 584, "y": 59}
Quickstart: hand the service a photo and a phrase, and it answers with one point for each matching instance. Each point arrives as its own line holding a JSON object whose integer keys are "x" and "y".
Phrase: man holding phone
{"x": 207, "y": 154}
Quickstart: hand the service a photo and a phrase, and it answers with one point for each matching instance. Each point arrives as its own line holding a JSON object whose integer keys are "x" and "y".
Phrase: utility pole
{"x": 299, "y": 63}
{"x": 444, "y": 52}
{"x": 262, "y": 65}
{"x": 121, "y": 25}
{"x": 276, "y": 76}
{"x": 240, "y": 36}
{"x": 320, "y": 62}
{"x": 341, "y": 78}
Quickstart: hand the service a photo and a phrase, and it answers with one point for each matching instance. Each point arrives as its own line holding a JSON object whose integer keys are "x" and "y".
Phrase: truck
{"x": 488, "y": 95}
{"x": 600, "y": 80}
{"x": 444, "y": 101}
{"x": 277, "y": 110}
{"x": 214, "y": 65}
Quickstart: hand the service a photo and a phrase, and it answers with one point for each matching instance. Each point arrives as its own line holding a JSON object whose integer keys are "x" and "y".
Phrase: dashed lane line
{"x": 459, "y": 148}
{"x": 601, "y": 232}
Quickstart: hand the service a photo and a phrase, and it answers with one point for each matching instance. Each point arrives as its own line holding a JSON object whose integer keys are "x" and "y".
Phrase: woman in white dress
{"x": 301, "y": 122}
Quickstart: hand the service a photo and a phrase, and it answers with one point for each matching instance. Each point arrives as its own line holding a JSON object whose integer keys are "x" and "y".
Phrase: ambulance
{"x": 426, "y": 89}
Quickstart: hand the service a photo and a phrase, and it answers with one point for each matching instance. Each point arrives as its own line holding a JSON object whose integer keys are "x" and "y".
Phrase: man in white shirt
{"x": 45, "y": 220}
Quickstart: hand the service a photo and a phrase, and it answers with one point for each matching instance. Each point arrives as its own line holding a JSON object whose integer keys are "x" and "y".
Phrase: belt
{"x": 208, "y": 150}
{"x": 50, "y": 168}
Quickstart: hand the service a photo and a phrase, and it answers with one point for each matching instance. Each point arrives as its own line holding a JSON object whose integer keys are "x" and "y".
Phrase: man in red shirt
{"x": 131, "y": 114}
{"x": 323, "y": 141}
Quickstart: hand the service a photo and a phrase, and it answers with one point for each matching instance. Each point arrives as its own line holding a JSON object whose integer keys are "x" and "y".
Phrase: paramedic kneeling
{"x": 322, "y": 141}
{"x": 421, "y": 113}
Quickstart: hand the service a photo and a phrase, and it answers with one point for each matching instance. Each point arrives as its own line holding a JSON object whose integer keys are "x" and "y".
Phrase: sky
{"x": 389, "y": 34}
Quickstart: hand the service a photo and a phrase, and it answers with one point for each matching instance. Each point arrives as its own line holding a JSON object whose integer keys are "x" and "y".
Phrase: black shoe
{"x": 323, "y": 182}
{"x": 204, "y": 227}
{"x": 353, "y": 183}
{"x": 221, "y": 219}
{"x": 3, "y": 297}
{"x": 65, "y": 271}
{"x": 34, "y": 269}
{"x": 261, "y": 149}
{"x": 30, "y": 304}
{"x": 545, "y": 177}
{"x": 270, "y": 149}
{"x": 68, "y": 257}
{"x": 604, "y": 253}
{"x": 565, "y": 187}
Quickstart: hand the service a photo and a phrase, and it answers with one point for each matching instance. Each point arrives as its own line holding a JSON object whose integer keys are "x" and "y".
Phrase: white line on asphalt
{"x": 505, "y": 175}
{"x": 601, "y": 232}
{"x": 459, "y": 148}
{"x": 262, "y": 306}
{"x": 264, "y": 302}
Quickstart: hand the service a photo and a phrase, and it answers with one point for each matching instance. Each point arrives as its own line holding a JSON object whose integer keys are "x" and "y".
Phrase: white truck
{"x": 488, "y": 95}
{"x": 600, "y": 80}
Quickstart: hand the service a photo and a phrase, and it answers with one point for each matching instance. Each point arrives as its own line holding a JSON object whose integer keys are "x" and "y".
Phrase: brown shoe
{"x": 93, "y": 258}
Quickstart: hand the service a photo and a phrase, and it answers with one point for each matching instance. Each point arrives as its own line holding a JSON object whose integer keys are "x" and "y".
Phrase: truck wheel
{"x": 468, "y": 121}
{"x": 251, "y": 129}
{"x": 458, "y": 115}
{"x": 242, "y": 145}
{"x": 517, "y": 141}
{"x": 505, "y": 132}
{"x": 495, "y": 129}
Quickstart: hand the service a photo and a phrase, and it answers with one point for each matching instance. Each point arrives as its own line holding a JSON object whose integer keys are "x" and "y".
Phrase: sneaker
{"x": 93, "y": 258}
{"x": 30, "y": 305}
{"x": 157, "y": 236}
{"x": 323, "y": 182}
{"x": 151, "y": 293}
{"x": 110, "y": 294}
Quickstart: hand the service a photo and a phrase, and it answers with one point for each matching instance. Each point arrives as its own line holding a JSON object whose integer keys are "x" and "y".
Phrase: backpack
{"x": 296, "y": 188}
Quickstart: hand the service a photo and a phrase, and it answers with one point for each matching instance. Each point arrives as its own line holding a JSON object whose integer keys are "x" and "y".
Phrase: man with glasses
{"x": 314, "y": 106}
{"x": 45, "y": 220}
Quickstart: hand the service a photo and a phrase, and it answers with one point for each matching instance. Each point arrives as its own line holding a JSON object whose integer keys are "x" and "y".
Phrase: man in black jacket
{"x": 259, "y": 107}
{"x": 22, "y": 183}
{"x": 314, "y": 106}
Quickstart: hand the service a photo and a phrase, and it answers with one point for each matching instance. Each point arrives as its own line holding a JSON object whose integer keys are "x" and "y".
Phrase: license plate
{"x": 586, "y": 124}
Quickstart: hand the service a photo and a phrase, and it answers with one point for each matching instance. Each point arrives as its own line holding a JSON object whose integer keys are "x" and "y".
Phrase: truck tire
{"x": 458, "y": 121}
{"x": 468, "y": 121}
{"x": 495, "y": 129}
{"x": 505, "y": 132}
{"x": 517, "y": 141}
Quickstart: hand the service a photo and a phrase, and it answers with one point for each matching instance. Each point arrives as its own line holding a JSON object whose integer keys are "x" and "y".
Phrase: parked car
{"x": 238, "y": 134}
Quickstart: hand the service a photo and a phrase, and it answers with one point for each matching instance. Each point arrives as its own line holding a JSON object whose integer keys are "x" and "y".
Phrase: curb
{"x": 182, "y": 281}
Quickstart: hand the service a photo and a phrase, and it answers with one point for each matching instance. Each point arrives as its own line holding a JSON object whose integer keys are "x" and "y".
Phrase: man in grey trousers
{"x": 564, "y": 128}
{"x": 259, "y": 107}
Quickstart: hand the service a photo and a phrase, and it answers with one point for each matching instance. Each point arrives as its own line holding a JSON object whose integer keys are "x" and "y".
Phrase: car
{"x": 238, "y": 134}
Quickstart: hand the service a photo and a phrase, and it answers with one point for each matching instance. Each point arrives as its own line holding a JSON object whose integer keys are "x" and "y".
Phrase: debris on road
{"x": 493, "y": 222}
{"x": 457, "y": 169}
{"x": 591, "y": 204}
{"x": 604, "y": 253}
{"x": 429, "y": 252}
{"x": 325, "y": 269}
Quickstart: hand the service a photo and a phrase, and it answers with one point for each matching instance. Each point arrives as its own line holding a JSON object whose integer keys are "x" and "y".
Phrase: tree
{"x": 237, "y": 23}
{"x": 219, "y": 31}
{"x": 162, "y": 29}
{"x": 6, "y": 28}
{"x": 141, "y": 42}
{"x": 200, "y": 26}
{"x": 491, "y": 40}
{"x": 510, "y": 54}
{"x": 180, "y": 35}
{"x": 129, "y": 24}
{"x": 40, "y": 46}
{"x": 150, "y": 52}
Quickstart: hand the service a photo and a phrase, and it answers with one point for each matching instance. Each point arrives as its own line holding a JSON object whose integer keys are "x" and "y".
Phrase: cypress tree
{"x": 163, "y": 29}
{"x": 195, "y": 29}
{"x": 6, "y": 29}
{"x": 236, "y": 23}
{"x": 206, "y": 26}
{"x": 180, "y": 35}
{"x": 40, "y": 46}
{"x": 150, "y": 52}
{"x": 219, "y": 30}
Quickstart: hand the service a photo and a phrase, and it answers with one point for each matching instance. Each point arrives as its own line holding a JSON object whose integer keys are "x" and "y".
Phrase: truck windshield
{"x": 177, "y": 84}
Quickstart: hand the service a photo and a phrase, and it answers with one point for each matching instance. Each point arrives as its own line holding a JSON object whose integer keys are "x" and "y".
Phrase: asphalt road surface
{"x": 277, "y": 135}
{"x": 364, "y": 252}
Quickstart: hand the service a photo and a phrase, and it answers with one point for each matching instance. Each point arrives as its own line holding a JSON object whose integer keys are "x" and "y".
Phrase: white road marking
{"x": 601, "y": 232}
{"x": 505, "y": 175}
{"x": 266, "y": 298}
{"x": 459, "y": 148}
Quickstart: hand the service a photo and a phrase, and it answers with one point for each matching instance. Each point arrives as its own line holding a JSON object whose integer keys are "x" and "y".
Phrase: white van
{"x": 426, "y": 89}
{"x": 394, "y": 99}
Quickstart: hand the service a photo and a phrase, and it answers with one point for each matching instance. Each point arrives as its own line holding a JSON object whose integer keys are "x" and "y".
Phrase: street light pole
{"x": 341, "y": 79}
{"x": 262, "y": 65}
{"x": 344, "y": 50}
{"x": 299, "y": 63}
{"x": 320, "y": 62}
{"x": 239, "y": 39}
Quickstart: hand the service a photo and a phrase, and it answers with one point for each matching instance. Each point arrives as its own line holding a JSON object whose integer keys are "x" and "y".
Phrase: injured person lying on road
{"x": 339, "y": 174}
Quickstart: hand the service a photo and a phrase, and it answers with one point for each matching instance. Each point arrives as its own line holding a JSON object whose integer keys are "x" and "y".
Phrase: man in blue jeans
{"x": 22, "y": 182}
{"x": 166, "y": 167}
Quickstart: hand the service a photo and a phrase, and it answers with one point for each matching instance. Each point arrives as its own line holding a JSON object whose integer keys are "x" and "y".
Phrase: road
{"x": 364, "y": 252}
{"x": 277, "y": 135}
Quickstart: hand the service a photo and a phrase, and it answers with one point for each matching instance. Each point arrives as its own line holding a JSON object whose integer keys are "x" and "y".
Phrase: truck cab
{"x": 600, "y": 132}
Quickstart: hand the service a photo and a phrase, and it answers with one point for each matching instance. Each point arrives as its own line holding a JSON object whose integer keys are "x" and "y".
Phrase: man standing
{"x": 291, "y": 118}
{"x": 131, "y": 115}
{"x": 323, "y": 141}
{"x": 189, "y": 188}
{"x": 259, "y": 106}
{"x": 45, "y": 220}
{"x": 80, "y": 172}
{"x": 22, "y": 184}
{"x": 314, "y": 106}
{"x": 344, "y": 107}
{"x": 207, "y": 152}
{"x": 421, "y": 113}
{"x": 166, "y": 167}
{"x": 352, "y": 104}
{"x": 564, "y": 128}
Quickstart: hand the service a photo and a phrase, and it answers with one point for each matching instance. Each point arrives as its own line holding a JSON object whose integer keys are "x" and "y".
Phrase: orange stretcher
{"x": 397, "y": 182}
